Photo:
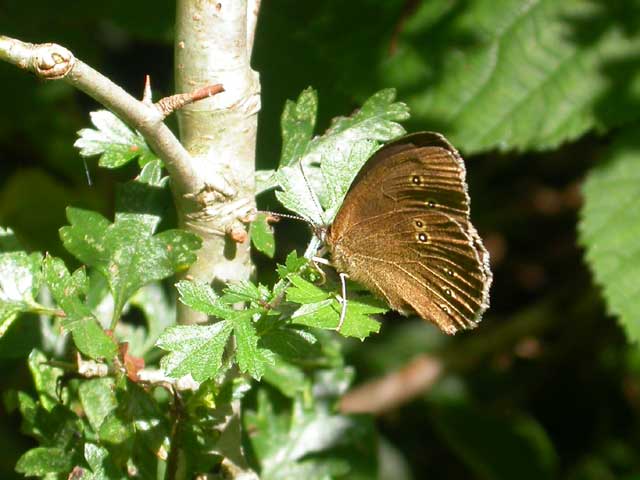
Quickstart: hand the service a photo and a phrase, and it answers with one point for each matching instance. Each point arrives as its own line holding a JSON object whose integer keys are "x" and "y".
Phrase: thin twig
{"x": 167, "y": 105}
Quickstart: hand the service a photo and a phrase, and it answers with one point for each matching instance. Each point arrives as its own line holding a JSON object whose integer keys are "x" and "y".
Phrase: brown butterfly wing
{"x": 404, "y": 232}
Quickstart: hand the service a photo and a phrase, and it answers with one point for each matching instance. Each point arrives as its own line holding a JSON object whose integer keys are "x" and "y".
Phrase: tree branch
{"x": 54, "y": 62}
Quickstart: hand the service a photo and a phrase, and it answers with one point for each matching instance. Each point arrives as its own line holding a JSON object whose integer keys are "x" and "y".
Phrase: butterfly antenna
{"x": 283, "y": 215}
{"x": 308, "y": 184}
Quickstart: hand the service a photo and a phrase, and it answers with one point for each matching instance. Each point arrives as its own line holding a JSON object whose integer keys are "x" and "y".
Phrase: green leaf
{"x": 304, "y": 291}
{"x": 43, "y": 460}
{"x": 20, "y": 280}
{"x": 68, "y": 291}
{"x": 610, "y": 228}
{"x": 307, "y": 186}
{"x": 98, "y": 400}
{"x": 200, "y": 297}
{"x": 262, "y": 235}
{"x": 495, "y": 447}
{"x": 45, "y": 379}
{"x": 339, "y": 169}
{"x": 245, "y": 291}
{"x": 298, "y": 195}
{"x": 293, "y": 264}
{"x": 125, "y": 252}
{"x": 376, "y": 120}
{"x": 512, "y": 84}
{"x": 195, "y": 350}
{"x": 287, "y": 378}
{"x": 96, "y": 457}
{"x": 116, "y": 143}
{"x": 297, "y": 122}
{"x": 326, "y": 314}
{"x": 293, "y": 344}
{"x": 251, "y": 358}
{"x": 319, "y": 309}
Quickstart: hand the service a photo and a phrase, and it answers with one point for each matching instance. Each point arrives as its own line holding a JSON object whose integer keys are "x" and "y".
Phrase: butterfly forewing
{"x": 404, "y": 232}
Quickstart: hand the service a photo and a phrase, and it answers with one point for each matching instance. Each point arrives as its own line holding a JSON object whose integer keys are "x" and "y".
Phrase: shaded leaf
{"x": 262, "y": 235}
{"x": 125, "y": 252}
{"x": 43, "y": 460}
{"x": 69, "y": 291}
{"x": 610, "y": 228}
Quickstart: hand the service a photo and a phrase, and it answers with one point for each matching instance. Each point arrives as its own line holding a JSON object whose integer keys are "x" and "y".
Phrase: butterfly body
{"x": 403, "y": 231}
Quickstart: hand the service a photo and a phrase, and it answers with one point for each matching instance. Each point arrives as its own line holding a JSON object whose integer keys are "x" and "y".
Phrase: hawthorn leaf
{"x": 126, "y": 252}
{"x": 297, "y": 123}
{"x": 194, "y": 349}
{"x": 116, "y": 143}
{"x": 69, "y": 292}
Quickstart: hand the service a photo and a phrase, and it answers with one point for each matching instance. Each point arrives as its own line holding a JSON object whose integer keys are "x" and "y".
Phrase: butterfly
{"x": 404, "y": 232}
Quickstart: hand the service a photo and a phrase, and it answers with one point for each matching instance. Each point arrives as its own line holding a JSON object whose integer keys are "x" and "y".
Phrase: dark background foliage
{"x": 548, "y": 385}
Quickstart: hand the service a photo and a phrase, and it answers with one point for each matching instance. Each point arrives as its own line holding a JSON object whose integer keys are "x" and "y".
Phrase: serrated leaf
{"x": 304, "y": 291}
{"x": 245, "y": 291}
{"x": 251, "y": 358}
{"x": 40, "y": 461}
{"x": 610, "y": 228}
{"x": 200, "y": 297}
{"x": 297, "y": 123}
{"x": 376, "y": 119}
{"x": 262, "y": 235}
{"x": 326, "y": 313}
{"x": 125, "y": 252}
{"x": 293, "y": 264}
{"x": 512, "y": 84}
{"x": 297, "y": 194}
{"x": 20, "y": 280}
{"x": 68, "y": 291}
{"x": 116, "y": 143}
{"x": 195, "y": 350}
{"x": 346, "y": 146}
{"x": 340, "y": 168}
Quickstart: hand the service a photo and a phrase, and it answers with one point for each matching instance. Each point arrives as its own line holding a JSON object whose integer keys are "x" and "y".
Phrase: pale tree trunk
{"x": 213, "y": 45}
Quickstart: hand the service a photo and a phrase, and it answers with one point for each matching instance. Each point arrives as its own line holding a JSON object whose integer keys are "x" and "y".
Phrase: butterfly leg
{"x": 343, "y": 300}
{"x": 316, "y": 263}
